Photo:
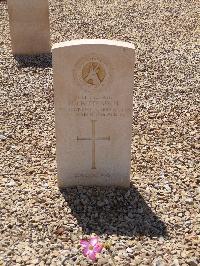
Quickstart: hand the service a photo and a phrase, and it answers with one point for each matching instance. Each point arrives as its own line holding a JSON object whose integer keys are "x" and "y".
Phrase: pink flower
{"x": 91, "y": 248}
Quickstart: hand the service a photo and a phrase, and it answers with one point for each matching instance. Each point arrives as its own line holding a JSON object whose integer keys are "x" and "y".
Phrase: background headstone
{"x": 93, "y": 82}
{"x": 29, "y": 26}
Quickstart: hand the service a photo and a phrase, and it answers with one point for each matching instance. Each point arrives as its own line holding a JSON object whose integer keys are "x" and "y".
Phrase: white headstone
{"x": 93, "y": 83}
{"x": 29, "y": 26}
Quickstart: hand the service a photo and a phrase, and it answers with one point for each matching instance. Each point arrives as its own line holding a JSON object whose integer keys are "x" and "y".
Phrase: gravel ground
{"x": 156, "y": 221}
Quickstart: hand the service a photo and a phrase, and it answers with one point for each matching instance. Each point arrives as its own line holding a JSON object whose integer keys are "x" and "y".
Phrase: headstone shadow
{"x": 38, "y": 61}
{"x": 122, "y": 212}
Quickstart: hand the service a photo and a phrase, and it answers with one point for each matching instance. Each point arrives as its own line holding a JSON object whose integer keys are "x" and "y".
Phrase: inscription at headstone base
{"x": 93, "y": 83}
{"x": 29, "y": 26}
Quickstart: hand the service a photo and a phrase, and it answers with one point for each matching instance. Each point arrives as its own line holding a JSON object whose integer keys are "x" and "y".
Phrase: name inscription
{"x": 97, "y": 106}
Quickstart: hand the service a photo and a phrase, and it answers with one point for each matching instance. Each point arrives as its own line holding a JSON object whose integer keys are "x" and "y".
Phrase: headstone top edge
{"x": 93, "y": 42}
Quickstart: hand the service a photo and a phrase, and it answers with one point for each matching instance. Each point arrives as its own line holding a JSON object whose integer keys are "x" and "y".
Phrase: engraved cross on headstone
{"x": 94, "y": 139}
